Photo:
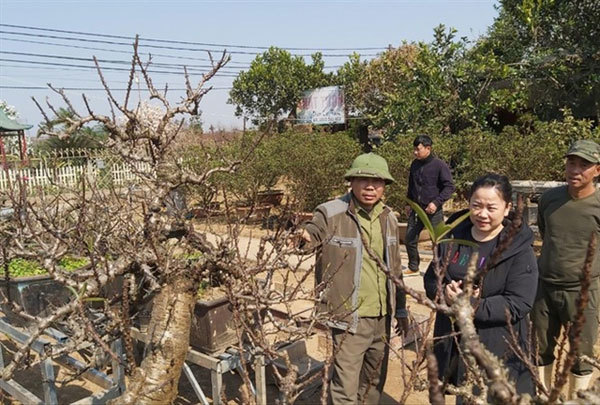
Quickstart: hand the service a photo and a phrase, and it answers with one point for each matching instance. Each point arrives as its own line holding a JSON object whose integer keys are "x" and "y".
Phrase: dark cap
{"x": 586, "y": 149}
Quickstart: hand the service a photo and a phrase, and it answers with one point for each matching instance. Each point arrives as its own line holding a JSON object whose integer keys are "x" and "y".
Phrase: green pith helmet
{"x": 370, "y": 165}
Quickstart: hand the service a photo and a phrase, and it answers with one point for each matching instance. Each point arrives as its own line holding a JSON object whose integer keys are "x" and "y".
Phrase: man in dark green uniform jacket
{"x": 567, "y": 217}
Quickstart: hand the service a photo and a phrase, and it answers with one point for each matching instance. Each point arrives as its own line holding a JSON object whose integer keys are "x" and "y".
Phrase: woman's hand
{"x": 452, "y": 290}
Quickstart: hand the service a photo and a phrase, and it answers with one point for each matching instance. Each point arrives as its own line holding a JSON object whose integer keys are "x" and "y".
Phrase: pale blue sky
{"x": 301, "y": 24}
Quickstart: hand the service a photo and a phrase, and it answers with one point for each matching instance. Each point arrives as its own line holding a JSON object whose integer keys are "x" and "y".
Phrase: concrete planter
{"x": 35, "y": 294}
{"x": 273, "y": 197}
{"x": 212, "y": 328}
{"x": 423, "y": 237}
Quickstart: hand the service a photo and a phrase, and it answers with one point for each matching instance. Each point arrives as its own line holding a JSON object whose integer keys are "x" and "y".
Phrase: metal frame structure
{"x": 113, "y": 385}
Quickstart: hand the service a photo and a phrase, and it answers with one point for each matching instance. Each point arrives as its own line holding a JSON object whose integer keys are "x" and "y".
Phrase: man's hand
{"x": 305, "y": 236}
{"x": 431, "y": 208}
{"x": 300, "y": 240}
{"x": 407, "y": 210}
{"x": 402, "y": 326}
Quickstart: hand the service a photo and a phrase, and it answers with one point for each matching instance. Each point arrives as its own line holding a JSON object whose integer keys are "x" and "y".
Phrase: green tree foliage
{"x": 556, "y": 47}
{"x": 348, "y": 76}
{"x": 438, "y": 87}
{"x": 382, "y": 83}
{"x": 85, "y": 138}
{"x": 274, "y": 83}
{"x": 539, "y": 57}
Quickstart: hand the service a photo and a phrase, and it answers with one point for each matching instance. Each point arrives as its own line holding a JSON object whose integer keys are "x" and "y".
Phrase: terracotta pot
{"x": 254, "y": 213}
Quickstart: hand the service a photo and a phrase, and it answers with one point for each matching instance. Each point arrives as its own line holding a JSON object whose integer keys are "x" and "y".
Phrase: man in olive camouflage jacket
{"x": 356, "y": 236}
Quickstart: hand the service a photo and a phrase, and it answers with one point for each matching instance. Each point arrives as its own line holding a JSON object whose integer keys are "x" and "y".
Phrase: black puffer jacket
{"x": 510, "y": 284}
{"x": 429, "y": 181}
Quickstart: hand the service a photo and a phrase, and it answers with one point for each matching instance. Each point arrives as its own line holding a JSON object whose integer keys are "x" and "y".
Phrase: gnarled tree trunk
{"x": 155, "y": 381}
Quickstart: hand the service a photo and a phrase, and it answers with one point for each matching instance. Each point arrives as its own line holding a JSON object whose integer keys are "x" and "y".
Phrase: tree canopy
{"x": 537, "y": 58}
{"x": 274, "y": 83}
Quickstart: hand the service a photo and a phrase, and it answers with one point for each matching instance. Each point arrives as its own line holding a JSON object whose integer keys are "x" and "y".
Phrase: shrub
{"x": 200, "y": 158}
{"x": 314, "y": 165}
{"x": 261, "y": 168}
{"x": 530, "y": 151}
{"x": 399, "y": 156}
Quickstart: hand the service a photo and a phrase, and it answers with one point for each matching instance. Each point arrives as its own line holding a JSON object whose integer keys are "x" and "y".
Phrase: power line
{"x": 237, "y": 69}
{"x": 121, "y": 62}
{"x": 47, "y": 79}
{"x": 102, "y": 68}
{"x": 154, "y": 46}
{"x": 92, "y": 88}
{"x": 118, "y": 51}
{"x": 170, "y": 41}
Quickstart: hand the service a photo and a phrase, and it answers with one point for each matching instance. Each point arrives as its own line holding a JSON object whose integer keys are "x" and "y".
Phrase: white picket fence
{"x": 68, "y": 175}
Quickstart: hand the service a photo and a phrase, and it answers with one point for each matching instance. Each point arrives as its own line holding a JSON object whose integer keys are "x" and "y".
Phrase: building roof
{"x": 8, "y": 124}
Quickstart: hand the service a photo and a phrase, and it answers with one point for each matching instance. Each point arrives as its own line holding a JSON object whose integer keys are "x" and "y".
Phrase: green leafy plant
{"x": 19, "y": 267}
{"x": 70, "y": 263}
{"x": 439, "y": 232}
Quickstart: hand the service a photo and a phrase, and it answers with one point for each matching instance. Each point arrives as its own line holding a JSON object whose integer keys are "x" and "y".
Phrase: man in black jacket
{"x": 429, "y": 185}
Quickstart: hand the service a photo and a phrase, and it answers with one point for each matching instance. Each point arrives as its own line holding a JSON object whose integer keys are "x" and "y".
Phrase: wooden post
{"x": 261, "y": 380}
{"x": 216, "y": 379}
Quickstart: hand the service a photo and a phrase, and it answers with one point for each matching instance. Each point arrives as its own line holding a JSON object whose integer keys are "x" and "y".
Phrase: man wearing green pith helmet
{"x": 355, "y": 236}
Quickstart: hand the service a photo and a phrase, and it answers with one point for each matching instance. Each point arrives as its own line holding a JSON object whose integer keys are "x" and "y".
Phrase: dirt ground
{"x": 393, "y": 390}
